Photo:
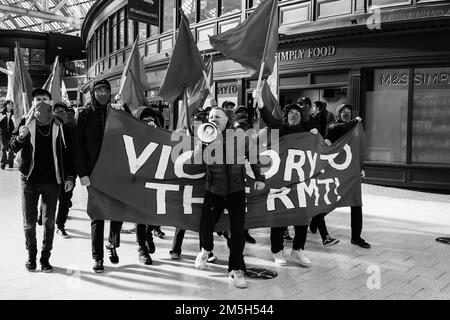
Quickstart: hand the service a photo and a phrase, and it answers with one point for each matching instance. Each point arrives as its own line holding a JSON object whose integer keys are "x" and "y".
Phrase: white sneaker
{"x": 279, "y": 258}
{"x": 237, "y": 276}
{"x": 202, "y": 258}
{"x": 301, "y": 257}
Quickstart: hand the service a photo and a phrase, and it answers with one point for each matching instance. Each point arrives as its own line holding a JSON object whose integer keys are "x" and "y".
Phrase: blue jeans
{"x": 30, "y": 199}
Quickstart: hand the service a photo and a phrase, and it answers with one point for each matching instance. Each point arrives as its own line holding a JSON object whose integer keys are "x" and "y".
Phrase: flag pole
{"x": 127, "y": 67}
{"x": 261, "y": 70}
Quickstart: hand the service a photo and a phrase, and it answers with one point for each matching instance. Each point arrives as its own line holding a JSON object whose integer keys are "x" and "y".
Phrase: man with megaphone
{"x": 225, "y": 189}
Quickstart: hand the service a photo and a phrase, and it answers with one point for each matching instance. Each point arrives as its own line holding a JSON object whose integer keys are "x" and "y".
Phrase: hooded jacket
{"x": 339, "y": 127}
{"x": 89, "y": 132}
{"x": 145, "y": 111}
{"x": 61, "y": 147}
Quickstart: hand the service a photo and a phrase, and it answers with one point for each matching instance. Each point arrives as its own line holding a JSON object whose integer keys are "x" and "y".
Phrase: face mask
{"x": 102, "y": 96}
{"x": 43, "y": 114}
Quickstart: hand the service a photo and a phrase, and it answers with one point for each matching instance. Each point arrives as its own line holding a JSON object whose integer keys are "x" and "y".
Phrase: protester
{"x": 89, "y": 132}
{"x": 322, "y": 117}
{"x": 198, "y": 118}
{"x": 241, "y": 120}
{"x": 66, "y": 116}
{"x": 144, "y": 235}
{"x": 336, "y": 130}
{"x": 225, "y": 189}
{"x": 6, "y": 131}
{"x": 46, "y": 164}
{"x": 292, "y": 122}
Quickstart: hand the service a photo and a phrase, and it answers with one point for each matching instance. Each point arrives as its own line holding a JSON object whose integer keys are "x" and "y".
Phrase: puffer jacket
{"x": 225, "y": 179}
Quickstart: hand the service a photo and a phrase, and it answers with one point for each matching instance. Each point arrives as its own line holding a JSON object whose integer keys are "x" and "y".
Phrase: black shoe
{"x": 143, "y": 256}
{"x": 31, "y": 265}
{"x": 98, "y": 266}
{"x": 62, "y": 232}
{"x": 313, "y": 228}
{"x": 249, "y": 238}
{"x": 151, "y": 246}
{"x": 46, "y": 266}
{"x": 329, "y": 241}
{"x": 3, "y": 166}
{"x": 361, "y": 243}
{"x": 158, "y": 233}
{"x": 11, "y": 166}
{"x": 39, "y": 221}
{"x": 445, "y": 240}
{"x": 113, "y": 257}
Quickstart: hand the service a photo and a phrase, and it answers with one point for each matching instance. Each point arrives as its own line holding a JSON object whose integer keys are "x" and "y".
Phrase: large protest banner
{"x": 136, "y": 180}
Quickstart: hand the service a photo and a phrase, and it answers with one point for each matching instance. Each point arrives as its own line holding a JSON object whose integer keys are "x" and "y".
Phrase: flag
{"x": 22, "y": 86}
{"x": 186, "y": 67}
{"x": 196, "y": 97}
{"x": 53, "y": 83}
{"x": 64, "y": 94}
{"x": 9, "y": 71}
{"x": 271, "y": 102}
{"x": 252, "y": 41}
{"x": 134, "y": 83}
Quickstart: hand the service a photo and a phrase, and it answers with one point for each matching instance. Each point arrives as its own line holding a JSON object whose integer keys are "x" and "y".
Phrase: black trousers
{"x": 97, "y": 230}
{"x": 63, "y": 206}
{"x": 7, "y": 154}
{"x": 144, "y": 234}
{"x": 319, "y": 221}
{"x": 276, "y": 238}
{"x": 213, "y": 206}
{"x": 177, "y": 240}
{"x": 30, "y": 200}
{"x": 356, "y": 222}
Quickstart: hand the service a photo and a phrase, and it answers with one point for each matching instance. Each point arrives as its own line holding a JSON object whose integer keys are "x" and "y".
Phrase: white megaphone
{"x": 207, "y": 132}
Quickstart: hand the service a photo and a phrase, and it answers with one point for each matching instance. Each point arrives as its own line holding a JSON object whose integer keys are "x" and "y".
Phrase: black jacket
{"x": 6, "y": 128}
{"x": 89, "y": 132}
{"x": 225, "y": 179}
{"x": 61, "y": 146}
{"x": 283, "y": 126}
{"x": 339, "y": 128}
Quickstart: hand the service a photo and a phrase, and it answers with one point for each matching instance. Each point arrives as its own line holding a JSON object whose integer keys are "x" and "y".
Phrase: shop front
{"x": 398, "y": 82}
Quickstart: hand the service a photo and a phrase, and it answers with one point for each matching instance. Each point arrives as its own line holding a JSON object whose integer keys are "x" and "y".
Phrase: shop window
{"x": 142, "y": 30}
{"x": 386, "y": 100}
{"x": 208, "y": 9}
{"x": 106, "y": 38}
{"x": 154, "y": 30}
{"x": 431, "y": 116}
{"x": 100, "y": 42}
{"x": 255, "y": 3}
{"x": 130, "y": 30}
{"x": 37, "y": 56}
{"x": 113, "y": 33}
{"x": 385, "y": 3}
{"x": 190, "y": 9}
{"x": 168, "y": 15}
{"x": 121, "y": 29}
{"x": 230, "y": 6}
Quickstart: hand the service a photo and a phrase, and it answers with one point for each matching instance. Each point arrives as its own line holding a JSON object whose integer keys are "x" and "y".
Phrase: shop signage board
{"x": 146, "y": 11}
{"x": 306, "y": 53}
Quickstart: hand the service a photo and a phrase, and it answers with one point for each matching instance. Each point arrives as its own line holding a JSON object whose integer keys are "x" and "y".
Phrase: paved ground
{"x": 405, "y": 262}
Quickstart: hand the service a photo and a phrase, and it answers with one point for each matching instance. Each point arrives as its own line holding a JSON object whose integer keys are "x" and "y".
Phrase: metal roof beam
{"x": 77, "y": 22}
{"x": 58, "y": 6}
